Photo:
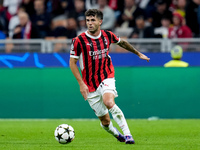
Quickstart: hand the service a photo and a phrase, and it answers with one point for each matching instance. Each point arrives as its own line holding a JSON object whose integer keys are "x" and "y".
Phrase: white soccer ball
{"x": 64, "y": 134}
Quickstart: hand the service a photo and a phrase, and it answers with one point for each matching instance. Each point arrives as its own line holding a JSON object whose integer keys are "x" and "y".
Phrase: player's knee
{"x": 108, "y": 99}
{"x": 109, "y": 104}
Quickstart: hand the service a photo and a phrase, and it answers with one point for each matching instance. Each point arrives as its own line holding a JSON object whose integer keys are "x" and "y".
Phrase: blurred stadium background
{"x": 35, "y": 79}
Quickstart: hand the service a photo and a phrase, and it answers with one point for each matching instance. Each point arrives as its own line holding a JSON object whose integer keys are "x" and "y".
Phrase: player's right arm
{"x": 74, "y": 56}
{"x": 74, "y": 68}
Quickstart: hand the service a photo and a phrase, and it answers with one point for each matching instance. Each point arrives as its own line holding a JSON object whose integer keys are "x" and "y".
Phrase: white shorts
{"x": 95, "y": 99}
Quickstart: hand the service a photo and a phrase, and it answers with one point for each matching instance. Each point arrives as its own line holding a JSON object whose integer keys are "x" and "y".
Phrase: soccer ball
{"x": 64, "y": 134}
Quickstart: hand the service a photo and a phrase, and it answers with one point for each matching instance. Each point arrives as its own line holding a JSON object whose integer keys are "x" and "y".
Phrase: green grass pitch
{"x": 161, "y": 134}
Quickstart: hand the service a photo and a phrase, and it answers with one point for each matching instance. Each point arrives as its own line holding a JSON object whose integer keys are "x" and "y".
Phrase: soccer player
{"x": 97, "y": 84}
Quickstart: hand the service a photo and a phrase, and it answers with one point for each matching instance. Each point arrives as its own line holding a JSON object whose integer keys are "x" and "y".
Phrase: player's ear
{"x": 100, "y": 21}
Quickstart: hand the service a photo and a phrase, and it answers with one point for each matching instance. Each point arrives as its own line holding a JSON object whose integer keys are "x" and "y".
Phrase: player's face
{"x": 93, "y": 23}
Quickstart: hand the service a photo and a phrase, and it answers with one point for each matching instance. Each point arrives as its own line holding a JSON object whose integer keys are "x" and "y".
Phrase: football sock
{"x": 118, "y": 116}
{"x": 110, "y": 129}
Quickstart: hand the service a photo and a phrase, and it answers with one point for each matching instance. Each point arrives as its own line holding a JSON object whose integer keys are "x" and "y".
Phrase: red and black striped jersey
{"x": 93, "y": 55}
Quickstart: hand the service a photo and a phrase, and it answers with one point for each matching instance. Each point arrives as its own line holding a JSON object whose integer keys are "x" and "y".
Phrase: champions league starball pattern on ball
{"x": 64, "y": 134}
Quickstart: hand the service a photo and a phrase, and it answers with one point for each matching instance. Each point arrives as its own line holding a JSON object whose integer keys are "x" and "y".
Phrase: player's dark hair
{"x": 94, "y": 12}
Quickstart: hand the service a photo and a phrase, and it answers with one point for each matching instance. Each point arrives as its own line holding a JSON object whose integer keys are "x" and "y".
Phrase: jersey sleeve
{"x": 114, "y": 38}
{"x": 75, "y": 50}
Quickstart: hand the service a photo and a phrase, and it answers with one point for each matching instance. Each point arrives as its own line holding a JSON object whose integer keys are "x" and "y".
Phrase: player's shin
{"x": 118, "y": 116}
{"x": 110, "y": 129}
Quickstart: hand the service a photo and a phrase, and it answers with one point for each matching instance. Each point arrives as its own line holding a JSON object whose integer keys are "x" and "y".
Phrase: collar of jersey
{"x": 93, "y": 37}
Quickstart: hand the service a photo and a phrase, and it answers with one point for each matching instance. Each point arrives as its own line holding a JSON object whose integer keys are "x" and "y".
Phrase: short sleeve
{"x": 114, "y": 38}
{"x": 75, "y": 48}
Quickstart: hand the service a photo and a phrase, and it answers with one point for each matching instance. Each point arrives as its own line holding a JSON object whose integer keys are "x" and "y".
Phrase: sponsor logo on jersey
{"x": 98, "y": 54}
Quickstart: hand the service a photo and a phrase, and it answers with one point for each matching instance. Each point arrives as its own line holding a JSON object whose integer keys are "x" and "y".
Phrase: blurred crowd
{"x": 29, "y": 19}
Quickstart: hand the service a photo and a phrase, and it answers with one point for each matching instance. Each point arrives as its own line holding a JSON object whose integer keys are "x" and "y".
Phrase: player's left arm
{"x": 126, "y": 45}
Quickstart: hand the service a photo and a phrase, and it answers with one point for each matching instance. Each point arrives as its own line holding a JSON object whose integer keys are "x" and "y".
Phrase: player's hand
{"x": 142, "y": 56}
{"x": 84, "y": 90}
